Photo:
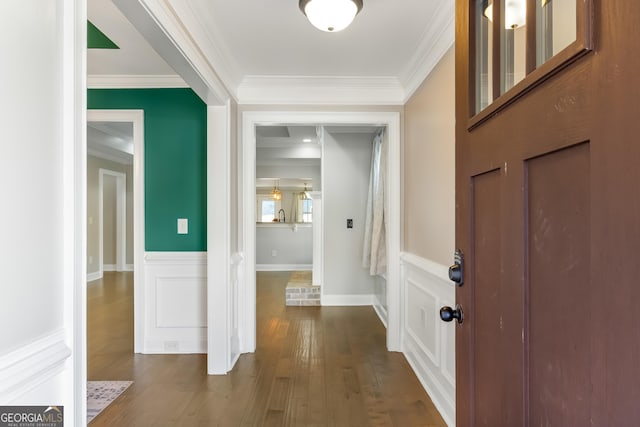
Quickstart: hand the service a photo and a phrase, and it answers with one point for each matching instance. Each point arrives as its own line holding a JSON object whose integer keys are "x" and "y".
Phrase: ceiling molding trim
{"x": 436, "y": 41}
{"x": 209, "y": 40}
{"x": 301, "y": 90}
{"x": 121, "y": 159}
{"x": 110, "y": 81}
{"x": 160, "y": 25}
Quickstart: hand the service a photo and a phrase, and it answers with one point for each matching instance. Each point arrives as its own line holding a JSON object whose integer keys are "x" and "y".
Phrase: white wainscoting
{"x": 428, "y": 342}
{"x": 175, "y": 302}
{"x": 31, "y": 366}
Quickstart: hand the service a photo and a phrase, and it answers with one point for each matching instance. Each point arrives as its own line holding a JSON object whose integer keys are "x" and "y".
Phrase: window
{"x": 516, "y": 44}
{"x": 307, "y": 210}
{"x": 267, "y": 208}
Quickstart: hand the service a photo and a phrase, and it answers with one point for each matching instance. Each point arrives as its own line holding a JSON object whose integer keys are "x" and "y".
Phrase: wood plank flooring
{"x": 314, "y": 366}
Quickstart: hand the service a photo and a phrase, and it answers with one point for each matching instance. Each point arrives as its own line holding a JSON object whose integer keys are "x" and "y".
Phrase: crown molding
{"x": 122, "y": 159}
{"x": 160, "y": 24}
{"x": 111, "y": 81}
{"x": 177, "y": 31}
{"x": 436, "y": 41}
{"x": 209, "y": 40}
{"x": 303, "y": 90}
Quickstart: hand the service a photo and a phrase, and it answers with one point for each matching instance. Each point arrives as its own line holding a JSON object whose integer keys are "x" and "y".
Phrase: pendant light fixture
{"x": 276, "y": 194}
{"x": 304, "y": 195}
{"x": 330, "y": 15}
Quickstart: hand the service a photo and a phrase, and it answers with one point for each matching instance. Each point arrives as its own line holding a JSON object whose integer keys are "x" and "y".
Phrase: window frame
{"x": 263, "y": 198}
{"x": 535, "y": 75}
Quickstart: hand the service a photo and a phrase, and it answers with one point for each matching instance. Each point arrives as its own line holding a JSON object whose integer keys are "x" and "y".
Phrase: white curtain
{"x": 375, "y": 249}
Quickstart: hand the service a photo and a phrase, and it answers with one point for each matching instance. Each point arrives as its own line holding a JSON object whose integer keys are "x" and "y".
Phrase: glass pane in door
{"x": 555, "y": 27}
{"x": 484, "y": 53}
{"x": 513, "y": 58}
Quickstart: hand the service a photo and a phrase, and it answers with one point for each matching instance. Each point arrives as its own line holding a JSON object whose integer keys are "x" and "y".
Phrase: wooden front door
{"x": 548, "y": 215}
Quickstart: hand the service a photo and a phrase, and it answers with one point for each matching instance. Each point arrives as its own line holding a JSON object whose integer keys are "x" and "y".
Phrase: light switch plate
{"x": 183, "y": 226}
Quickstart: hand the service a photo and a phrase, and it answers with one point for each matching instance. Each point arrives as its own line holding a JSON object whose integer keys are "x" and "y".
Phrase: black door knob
{"x": 448, "y": 314}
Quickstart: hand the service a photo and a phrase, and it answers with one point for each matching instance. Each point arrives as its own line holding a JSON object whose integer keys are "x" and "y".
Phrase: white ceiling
{"x": 259, "y": 49}
{"x": 135, "y": 56}
{"x": 111, "y": 141}
{"x": 273, "y": 37}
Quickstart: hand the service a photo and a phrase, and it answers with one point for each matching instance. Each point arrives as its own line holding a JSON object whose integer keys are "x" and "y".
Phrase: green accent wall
{"x": 96, "y": 39}
{"x": 175, "y": 167}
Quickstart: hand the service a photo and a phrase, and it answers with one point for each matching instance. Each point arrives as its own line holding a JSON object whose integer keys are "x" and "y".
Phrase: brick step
{"x": 302, "y": 294}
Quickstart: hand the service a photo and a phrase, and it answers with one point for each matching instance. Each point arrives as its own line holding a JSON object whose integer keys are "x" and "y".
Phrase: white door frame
{"x": 220, "y": 301}
{"x": 137, "y": 118}
{"x": 121, "y": 218}
{"x": 251, "y": 119}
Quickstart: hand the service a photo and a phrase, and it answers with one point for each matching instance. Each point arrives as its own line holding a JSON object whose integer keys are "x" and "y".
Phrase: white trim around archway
{"x": 247, "y": 291}
{"x": 137, "y": 118}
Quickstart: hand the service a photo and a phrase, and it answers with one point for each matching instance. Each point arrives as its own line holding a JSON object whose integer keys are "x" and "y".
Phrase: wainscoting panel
{"x": 175, "y": 302}
{"x": 175, "y": 293}
{"x": 31, "y": 367}
{"x": 427, "y": 342}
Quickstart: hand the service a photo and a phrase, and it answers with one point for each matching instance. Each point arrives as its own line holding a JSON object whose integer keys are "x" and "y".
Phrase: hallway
{"x": 314, "y": 366}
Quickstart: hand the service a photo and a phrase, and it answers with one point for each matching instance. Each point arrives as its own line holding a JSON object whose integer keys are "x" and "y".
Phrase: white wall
{"x": 42, "y": 131}
{"x": 347, "y": 160}
{"x": 291, "y": 171}
{"x": 293, "y": 244}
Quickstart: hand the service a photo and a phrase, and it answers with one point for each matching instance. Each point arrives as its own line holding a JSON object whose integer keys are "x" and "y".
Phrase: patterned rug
{"x": 101, "y": 393}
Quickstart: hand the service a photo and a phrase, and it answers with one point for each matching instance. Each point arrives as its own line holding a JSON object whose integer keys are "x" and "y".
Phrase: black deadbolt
{"x": 456, "y": 271}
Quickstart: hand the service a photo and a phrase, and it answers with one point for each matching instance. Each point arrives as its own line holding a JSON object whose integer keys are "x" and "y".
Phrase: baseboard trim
{"x": 347, "y": 300}
{"x": 128, "y": 267}
{"x": 94, "y": 276}
{"x": 434, "y": 389}
{"x": 284, "y": 267}
{"x": 169, "y": 347}
{"x": 381, "y": 312}
{"x": 109, "y": 267}
{"x": 32, "y": 365}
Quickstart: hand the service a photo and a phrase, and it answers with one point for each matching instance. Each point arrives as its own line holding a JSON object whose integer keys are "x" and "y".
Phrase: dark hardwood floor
{"x": 314, "y": 366}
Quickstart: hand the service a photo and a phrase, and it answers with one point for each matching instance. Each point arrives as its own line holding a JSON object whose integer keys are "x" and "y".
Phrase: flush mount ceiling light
{"x": 516, "y": 13}
{"x": 330, "y": 15}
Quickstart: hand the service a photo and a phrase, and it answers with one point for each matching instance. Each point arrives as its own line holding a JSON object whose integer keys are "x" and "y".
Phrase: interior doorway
{"x": 113, "y": 212}
{"x": 251, "y": 121}
{"x": 117, "y": 137}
